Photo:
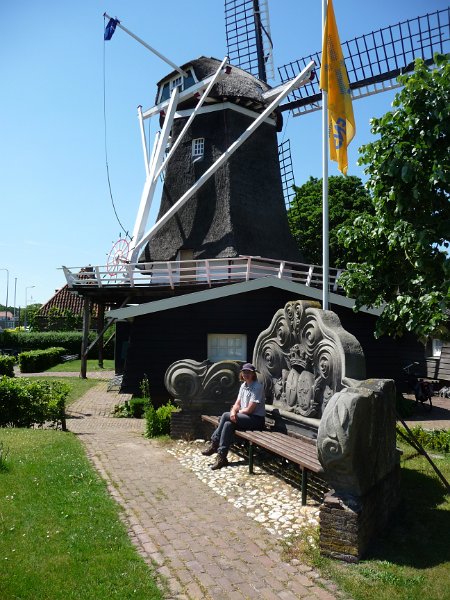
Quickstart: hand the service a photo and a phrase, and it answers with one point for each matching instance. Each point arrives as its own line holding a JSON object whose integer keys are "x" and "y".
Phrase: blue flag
{"x": 110, "y": 28}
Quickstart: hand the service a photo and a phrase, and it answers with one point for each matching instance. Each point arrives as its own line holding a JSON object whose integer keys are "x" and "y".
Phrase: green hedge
{"x": 37, "y": 361}
{"x": 26, "y": 402}
{"x": 23, "y": 341}
{"x": 7, "y": 365}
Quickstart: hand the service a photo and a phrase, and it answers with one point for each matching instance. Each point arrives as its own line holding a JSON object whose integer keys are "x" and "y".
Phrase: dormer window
{"x": 198, "y": 148}
{"x": 177, "y": 80}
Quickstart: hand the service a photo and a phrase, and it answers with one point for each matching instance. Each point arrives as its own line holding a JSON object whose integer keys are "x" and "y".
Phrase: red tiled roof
{"x": 65, "y": 299}
{"x": 6, "y": 314}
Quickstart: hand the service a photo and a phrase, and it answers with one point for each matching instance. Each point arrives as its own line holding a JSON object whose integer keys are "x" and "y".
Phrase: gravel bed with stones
{"x": 262, "y": 496}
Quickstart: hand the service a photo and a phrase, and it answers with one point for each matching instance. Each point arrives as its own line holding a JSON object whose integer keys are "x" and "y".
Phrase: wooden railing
{"x": 198, "y": 272}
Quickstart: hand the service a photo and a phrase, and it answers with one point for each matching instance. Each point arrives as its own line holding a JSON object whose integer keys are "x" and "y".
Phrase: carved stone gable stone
{"x": 305, "y": 356}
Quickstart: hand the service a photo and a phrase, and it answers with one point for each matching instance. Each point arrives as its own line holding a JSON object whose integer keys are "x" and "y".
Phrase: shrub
{"x": 157, "y": 419}
{"x": 134, "y": 408}
{"x": 436, "y": 439}
{"x": 7, "y": 365}
{"x": 37, "y": 361}
{"x": 26, "y": 402}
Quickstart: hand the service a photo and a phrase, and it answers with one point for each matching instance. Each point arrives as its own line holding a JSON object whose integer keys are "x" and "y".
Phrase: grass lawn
{"x": 74, "y": 366}
{"x": 60, "y": 532}
{"x": 412, "y": 560}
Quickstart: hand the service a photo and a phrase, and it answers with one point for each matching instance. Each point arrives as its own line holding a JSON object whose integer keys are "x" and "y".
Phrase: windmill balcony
{"x": 201, "y": 273}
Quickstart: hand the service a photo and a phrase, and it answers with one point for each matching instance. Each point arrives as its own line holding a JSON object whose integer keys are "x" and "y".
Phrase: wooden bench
{"x": 69, "y": 357}
{"x": 297, "y": 450}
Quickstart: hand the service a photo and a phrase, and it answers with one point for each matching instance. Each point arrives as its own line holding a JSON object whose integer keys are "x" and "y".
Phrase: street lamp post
{"x": 7, "y": 291}
{"x": 26, "y": 303}
{"x": 15, "y": 288}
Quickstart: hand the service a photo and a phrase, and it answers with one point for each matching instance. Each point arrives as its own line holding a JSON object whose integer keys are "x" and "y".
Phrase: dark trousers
{"x": 223, "y": 435}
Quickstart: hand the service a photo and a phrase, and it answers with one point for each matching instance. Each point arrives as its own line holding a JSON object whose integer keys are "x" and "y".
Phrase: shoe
{"x": 221, "y": 461}
{"x": 210, "y": 450}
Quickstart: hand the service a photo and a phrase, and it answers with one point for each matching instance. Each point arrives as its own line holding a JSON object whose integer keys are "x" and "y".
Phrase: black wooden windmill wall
{"x": 240, "y": 210}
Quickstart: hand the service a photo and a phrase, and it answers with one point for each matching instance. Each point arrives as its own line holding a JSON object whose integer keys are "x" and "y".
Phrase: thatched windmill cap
{"x": 238, "y": 86}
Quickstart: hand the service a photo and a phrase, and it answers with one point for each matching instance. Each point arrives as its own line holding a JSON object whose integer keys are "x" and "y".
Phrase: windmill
{"x": 220, "y": 200}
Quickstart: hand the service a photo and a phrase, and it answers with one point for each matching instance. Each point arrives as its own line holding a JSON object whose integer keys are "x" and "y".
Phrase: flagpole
{"x": 325, "y": 231}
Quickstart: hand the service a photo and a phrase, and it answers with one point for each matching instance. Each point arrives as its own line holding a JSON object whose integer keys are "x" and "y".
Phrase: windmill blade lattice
{"x": 375, "y": 60}
{"x": 249, "y": 44}
{"x": 287, "y": 172}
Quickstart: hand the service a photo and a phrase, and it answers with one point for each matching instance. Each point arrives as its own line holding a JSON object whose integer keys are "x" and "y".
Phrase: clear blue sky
{"x": 56, "y": 207}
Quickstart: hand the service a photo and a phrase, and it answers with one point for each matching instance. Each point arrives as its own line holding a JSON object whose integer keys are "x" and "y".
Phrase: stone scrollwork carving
{"x": 356, "y": 436}
{"x": 304, "y": 357}
{"x": 203, "y": 385}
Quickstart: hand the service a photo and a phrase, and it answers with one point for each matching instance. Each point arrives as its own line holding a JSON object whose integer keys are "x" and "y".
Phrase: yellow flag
{"x": 334, "y": 80}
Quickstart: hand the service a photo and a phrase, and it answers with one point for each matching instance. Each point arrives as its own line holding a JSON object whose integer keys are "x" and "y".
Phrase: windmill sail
{"x": 287, "y": 172}
{"x": 249, "y": 45}
{"x": 375, "y": 60}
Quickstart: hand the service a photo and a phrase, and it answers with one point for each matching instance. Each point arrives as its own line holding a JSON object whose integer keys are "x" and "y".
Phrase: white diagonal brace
{"x": 298, "y": 81}
{"x": 141, "y": 41}
{"x": 143, "y": 139}
{"x": 217, "y": 77}
{"x": 186, "y": 94}
{"x": 150, "y": 181}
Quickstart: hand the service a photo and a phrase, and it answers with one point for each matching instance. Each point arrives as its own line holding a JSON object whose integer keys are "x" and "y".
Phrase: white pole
{"x": 138, "y": 39}
{"x": 29, "y": 287}
{"x": 7, "y": 291}
{"x": 143, "y": 139}
{"x": 157, "y": 159}
{"x": 15, "y": 290}
{"x": 325, "y": 232}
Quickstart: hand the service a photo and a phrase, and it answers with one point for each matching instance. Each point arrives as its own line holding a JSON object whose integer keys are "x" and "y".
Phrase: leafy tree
{"x": 403, "y": 262}
{"x": 31, "y": 311}
{"x": 63, "y": 319}
{"x": 347, "y": 198}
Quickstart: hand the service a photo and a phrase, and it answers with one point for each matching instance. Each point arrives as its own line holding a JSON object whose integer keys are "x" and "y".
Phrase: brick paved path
{"x": 204, "y": 547}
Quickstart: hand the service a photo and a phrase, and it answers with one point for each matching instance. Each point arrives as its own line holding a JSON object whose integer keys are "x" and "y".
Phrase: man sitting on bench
{"x": 246, "y": 414}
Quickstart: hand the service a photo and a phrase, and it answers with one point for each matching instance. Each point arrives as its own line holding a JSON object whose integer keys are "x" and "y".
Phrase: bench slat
{"x": 299, "y": 451}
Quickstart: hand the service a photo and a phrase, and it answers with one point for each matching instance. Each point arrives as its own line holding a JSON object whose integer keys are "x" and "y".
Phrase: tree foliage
{"x": 347, "y": 198}
{"x": 403, "y": 263}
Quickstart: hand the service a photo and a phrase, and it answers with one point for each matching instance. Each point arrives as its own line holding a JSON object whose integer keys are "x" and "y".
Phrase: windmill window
{"x": 177, "y": 82}
{"x": 182, "y": 82}
{"x": 198, "y": 147}
{"x": 436, "y": 347}
{"x": 227, "y": 346}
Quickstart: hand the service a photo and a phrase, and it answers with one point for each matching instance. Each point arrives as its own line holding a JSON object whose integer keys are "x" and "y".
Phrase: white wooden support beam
{"x": 150, "y": 182}
{"x": 138, "y": 39}
{"x": 302, "y": 77}
{"x": 279, "y": 88}
{"x": 98, "y": 276}
{"x": 143, "y": 139}
{"x": 186, "y": 94}
{"x": 155, "y": 146}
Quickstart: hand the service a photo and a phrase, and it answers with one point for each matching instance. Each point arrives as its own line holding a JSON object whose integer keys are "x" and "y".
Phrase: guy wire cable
{"x": 105, "y": 141}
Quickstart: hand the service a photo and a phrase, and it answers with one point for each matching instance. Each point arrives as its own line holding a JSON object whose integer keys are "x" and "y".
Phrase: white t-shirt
{"x": 253, "y": 393}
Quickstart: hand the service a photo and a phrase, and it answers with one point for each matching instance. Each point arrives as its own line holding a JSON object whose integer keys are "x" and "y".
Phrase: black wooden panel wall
{"x": 157, "y": 340}
{"x": 444, "y": 362}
